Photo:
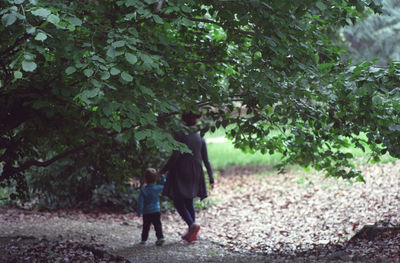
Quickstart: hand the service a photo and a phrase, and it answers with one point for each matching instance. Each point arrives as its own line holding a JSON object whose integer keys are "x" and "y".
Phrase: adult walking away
{"x": 185, "y": 179}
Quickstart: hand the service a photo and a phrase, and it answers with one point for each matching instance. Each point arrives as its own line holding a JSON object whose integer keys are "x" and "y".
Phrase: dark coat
{"x": 185, "y": 171}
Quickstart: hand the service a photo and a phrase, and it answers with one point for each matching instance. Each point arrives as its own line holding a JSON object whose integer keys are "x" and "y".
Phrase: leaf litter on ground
{"x": 258, "y": 213}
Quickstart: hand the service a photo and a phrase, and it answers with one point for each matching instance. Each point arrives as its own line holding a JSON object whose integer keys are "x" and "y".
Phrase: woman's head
{"x": 190, "y": 118}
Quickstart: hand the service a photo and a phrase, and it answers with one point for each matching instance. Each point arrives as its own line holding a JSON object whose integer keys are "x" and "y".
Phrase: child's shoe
{"x": 160, "y": 241}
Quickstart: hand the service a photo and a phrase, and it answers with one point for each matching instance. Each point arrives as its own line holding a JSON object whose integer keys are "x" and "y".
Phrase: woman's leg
{"x": 179, "y": 204}
{"x": 190, "y": 208}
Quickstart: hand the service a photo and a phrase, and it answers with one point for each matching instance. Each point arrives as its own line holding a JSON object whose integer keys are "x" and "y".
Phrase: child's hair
{"x": 150, "y": 175}
{"x": 190, "y": 118}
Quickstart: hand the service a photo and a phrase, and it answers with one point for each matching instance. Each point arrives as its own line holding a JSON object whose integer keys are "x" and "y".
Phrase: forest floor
{"x": 256, "y": 215}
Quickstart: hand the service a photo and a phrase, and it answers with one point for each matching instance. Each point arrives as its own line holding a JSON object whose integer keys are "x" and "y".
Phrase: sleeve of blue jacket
{"x": 140, "y": 204}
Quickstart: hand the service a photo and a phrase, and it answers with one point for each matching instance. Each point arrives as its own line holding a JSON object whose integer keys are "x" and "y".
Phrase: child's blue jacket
{"x": 149, "y": 198}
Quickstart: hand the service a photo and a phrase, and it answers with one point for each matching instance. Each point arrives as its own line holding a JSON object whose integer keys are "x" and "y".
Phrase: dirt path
{"x": 258, "y": 216}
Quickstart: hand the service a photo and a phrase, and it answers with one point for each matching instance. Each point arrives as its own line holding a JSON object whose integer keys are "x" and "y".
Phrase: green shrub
{"x": 85, "y": 180}
{"x": 115, "y": 197}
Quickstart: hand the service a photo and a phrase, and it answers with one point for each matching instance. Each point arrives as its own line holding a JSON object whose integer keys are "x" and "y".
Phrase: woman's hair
{"x": 150, "y": 175}
{"x": 190, "y": 118}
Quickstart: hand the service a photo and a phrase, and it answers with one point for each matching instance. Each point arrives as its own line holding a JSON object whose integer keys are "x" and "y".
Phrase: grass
{"x": 222, "y": 154}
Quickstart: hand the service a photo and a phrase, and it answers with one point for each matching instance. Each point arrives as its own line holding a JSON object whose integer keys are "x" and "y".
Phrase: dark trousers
{"x": 148, "y": 219}
{"x": 185, "y": 209}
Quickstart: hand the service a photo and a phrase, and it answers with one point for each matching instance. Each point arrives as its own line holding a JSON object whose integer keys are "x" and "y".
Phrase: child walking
{"x": 149, "y": 206}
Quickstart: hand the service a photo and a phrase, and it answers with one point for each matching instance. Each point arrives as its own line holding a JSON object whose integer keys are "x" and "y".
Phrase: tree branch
{"x": 202, "y": 61}
{"x": 37, "y": 163}
{"x": 30, "y": 163}
{"x": 198, "y": 20}
{"x": 221, "y": 25}
{"x": 6, "y": 72}
{"x": 10, "y": 48}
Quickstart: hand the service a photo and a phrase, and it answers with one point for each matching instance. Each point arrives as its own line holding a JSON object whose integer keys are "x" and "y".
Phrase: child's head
{"x": 150, "y": 175}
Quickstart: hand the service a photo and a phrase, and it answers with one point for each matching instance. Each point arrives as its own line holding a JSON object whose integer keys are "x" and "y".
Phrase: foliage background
{"x": 91, "y": 91}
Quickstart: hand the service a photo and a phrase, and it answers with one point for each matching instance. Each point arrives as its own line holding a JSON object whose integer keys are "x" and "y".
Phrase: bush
{"x": 115, "y": 197}
{"x": 87, "y": 180}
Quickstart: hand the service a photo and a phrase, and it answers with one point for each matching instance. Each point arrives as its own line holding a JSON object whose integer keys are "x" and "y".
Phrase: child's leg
{"x": 183, "y": 212}
{"x": 146, "y": 227}
{"x": 157, "y": 225}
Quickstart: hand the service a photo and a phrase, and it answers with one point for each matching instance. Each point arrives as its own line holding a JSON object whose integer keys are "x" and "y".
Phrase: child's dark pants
{"x": 148, "y": 219}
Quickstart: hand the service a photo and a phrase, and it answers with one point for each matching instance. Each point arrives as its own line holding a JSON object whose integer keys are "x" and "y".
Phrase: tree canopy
{"x": 91, "y": 90}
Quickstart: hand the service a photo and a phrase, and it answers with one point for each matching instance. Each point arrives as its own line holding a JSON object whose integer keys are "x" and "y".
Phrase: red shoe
{"x": 194, "y": 229}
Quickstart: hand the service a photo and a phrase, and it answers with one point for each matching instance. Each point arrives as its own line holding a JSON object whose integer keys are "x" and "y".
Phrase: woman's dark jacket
{"x": 185, "y": 171}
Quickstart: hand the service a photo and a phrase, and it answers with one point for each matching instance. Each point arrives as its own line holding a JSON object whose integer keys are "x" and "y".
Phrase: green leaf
{"x": 28, "y": 66}
{"x": 41, "y": 36}
{"x": 158, "y": 19}
{"x": 126, "y": 76}
{"x": 377, "y": 100}
{"x": 29, "y": 56}
{"x": 119, "y": 43}
{"x": 187, "y": 22}
{"x": 96, "y": 83}
{"x": 321, "y": 6}
{"x": 9, "y": 19}
{"x": 75, "y": 21}
{"x": 17, "y": 74}
{"x": 111, "y": 52}
{"x": 186, "y": 9}
{"x": 91, "y": 93}
{"x": 31, "y": 30}
{"x": 133, "y": 3}
{"x": 71, "y": 27}
{"x": 114, "y": 71}
{"x": 108, "y": 109}
{"x": 325, "y": 66}
{"x": 145, "y": 58}
{"x": 70, "y": 70}
{"x": 116, "y": 126}
{"x": 131, "y": 58}
{"x": 140, "y": 135}
{"x": 53, "y": 19}
{"x": 149, "y": 2}
{"x": 88, "y": 72}
{"x": 42, "y": 12}
{"x": 105, "y": 75}
{"x": 147, "y": 91}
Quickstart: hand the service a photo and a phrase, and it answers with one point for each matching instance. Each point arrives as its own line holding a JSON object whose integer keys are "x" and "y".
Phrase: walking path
{"x": 257, "y": 216}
